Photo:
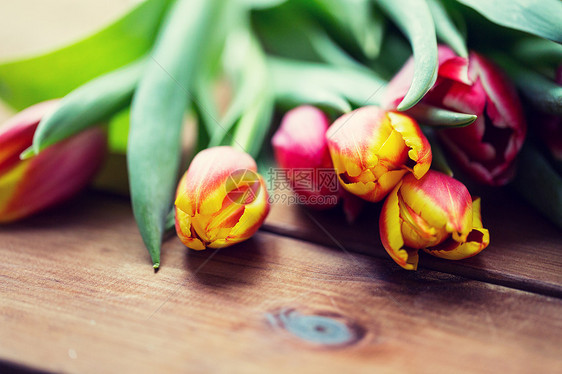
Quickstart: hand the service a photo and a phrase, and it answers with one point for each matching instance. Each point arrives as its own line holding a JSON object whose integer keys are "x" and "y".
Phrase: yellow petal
{"x": 441, "y": 201}
{"x": 202, "y": 188}
{"x": 254, "y": 214}
{"x": 413, "y": 137}
{"x": 477, "y": 240}
{"x": 184, "y": 232}
{"x": 8, "y": 188}
{"x": 391, "y": 234}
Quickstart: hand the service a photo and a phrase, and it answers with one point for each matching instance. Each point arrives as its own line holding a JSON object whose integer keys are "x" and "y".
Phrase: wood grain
{"x": 525, "y": 250}
{"x": 77, "y": 294}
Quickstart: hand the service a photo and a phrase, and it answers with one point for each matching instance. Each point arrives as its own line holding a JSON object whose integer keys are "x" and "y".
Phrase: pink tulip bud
{"x": 221, "y": 200}
{"x": 435, "y": 214}
{"x": 301, "y": 149}
{"x": 57, "y": 173}
{"x": 487, "y": 148}
{"x": 373, "y": 149}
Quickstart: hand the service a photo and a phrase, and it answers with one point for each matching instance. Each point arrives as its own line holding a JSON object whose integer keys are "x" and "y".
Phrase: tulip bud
{"x": 487, "y": 148}
{"x": 221, "y": 200}
{"x": 373, "y": 149}
{"x": 57, "y": 173}
{"x": 434, "y": 213}
{"x": 300, "y": 145}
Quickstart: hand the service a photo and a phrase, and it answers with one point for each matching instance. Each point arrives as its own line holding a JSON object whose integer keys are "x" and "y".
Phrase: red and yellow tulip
{"x": 221, "y": 200}
{"x": 436, "y": 214}
{"x": 57, "y": 173}
{"x": 372, "y": 149}
{"x": 487, "y": 148}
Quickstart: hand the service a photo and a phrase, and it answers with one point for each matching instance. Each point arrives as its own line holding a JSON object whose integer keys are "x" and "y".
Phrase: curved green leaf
{"x": 55, "y": 74}
{"x": 437, "y": 117}
{"x": 446, "y": 29}
{"x": 353, "y": 20}
{"x": 249, "y": 115}
{"x": 297, "y": 82}
{"x": 538, "y": 17}
{"x": 89, "y": 104}
{"x": 159, "y": 104}
{"x": 414, "y": 19}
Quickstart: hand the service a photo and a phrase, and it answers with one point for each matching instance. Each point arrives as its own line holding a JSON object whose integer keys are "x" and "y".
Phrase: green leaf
{"x": 414, "y": 19}
{"x": 157, "y": 112}
{"x": 248, "y": 117}
{"x": 354, "y": 21}
{"x": 446, "y": 29}
{"x": 539, "y": 184}
{"x": 89, "y": 104}
{"x": 119, "y": 131}
{"x": 437, "y": 117}
{"x": 297, "y": 82}
{"x": 539, "y": 53}
{"x": 538, "y": 17}
{"x": 260, "y": 4}
{"x": 542, "y": 92}
{"x": 55, "y": 74}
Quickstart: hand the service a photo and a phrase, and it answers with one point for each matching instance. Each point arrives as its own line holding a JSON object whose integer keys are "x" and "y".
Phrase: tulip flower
{"x": 436, "y": 214}
{"x": 301, "y": 149}
{"x": 221, "y": 200}
{"x": 373, "y": 149}
{"x": 487, "y": 148}
{"x": 300, "y": 146}
{"x": 57, "y": 173}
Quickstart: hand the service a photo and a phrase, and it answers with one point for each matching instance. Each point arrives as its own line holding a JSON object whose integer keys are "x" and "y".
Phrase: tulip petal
{"x": 391, "y": 235}
{"x": 300, "y": 141}
{"x": 252, "y": 218}
{"x": 8, "y": 189}
{"x": 202, "y": 189}
{"x": 477, "y": 240}
{"x": 16, "y": 134}
{"x": 236, "y": 199}
{"x": 300, "y": 145}
{"x": 452, "y": 66}
{"x": 441, "y": 201}
{"x": 420, "y": 150}
{"x": 376, "y": 149}
{"x": 58, "y": 173}
{"x": 503, "y": 106}
{"x": 184, "y": 230}
{"x": 55, "y": 174}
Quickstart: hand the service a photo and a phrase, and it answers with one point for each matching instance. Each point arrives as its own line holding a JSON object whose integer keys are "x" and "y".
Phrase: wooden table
{"x": 308, "y": 293}
{"x": 78, "y": 294}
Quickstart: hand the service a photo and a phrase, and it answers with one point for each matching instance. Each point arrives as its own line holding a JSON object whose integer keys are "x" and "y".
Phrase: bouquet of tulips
{"x": 385, "y": 97}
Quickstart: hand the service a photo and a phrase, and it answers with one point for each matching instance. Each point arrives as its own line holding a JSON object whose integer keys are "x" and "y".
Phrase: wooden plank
{"x": 525, "y": 250}
{"x": 77, "y": 294}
